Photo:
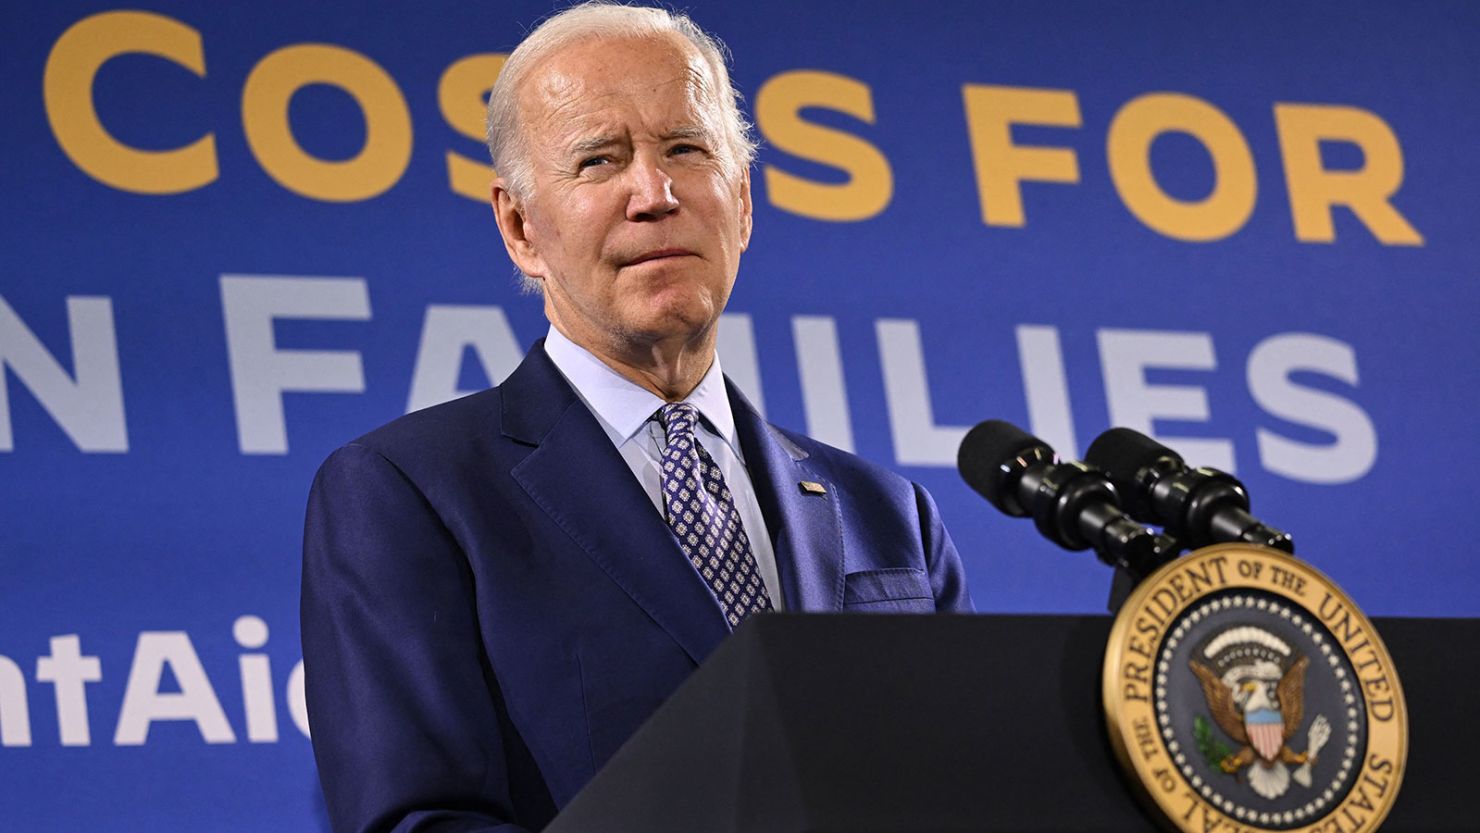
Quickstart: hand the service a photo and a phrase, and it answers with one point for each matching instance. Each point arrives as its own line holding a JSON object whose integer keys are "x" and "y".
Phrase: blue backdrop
{"x": 238, "y": 235}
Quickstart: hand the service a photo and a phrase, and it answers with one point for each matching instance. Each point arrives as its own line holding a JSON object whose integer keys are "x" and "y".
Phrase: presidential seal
{"x": 1243, "y": 691}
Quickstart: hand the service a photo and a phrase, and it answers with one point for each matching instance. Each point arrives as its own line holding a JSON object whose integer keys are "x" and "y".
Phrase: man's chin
{"x": 669, "y": 323}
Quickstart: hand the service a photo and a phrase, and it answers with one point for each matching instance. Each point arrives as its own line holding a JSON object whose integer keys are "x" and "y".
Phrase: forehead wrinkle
{"x": 581, "y": 139}
{"x": 560, "y": 95}
{"x": 554, "y": 75}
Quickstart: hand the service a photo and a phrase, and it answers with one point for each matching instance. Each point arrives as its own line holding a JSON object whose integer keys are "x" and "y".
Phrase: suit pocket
{"x": 894, "y": 590}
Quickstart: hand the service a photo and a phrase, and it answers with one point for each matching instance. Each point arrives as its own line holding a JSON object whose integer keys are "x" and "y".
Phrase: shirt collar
{"x": 622, "y": 406}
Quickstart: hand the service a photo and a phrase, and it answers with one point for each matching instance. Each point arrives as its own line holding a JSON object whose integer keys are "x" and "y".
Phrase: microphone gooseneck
{"x": 1199, "y": 506}
{"x": 1071, "y": 504}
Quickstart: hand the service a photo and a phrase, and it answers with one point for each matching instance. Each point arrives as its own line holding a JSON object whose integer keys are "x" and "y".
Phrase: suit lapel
{"x": 806, "y": 528}
{"x": 581, "y": 481}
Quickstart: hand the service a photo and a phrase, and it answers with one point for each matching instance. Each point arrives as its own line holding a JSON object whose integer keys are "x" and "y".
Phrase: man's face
{"x": 636, "y": 220}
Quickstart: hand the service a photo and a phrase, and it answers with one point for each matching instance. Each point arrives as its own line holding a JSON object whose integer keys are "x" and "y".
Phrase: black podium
{"x": 926, "y": 724}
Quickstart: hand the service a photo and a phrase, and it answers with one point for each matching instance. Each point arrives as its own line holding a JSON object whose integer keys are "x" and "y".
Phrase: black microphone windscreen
{"x": 1122, "y": 453}
{"x": 985, "y": 450}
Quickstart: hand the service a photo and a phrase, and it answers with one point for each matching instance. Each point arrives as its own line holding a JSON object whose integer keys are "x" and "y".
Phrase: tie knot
{"x": 678, "y": 419}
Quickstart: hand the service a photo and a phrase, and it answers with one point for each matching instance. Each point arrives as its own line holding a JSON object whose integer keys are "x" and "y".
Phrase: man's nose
{"x": 652, "y": 192}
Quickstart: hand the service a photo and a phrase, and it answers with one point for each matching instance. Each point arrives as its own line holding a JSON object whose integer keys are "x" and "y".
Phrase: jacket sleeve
{"x": 403, "y": 707}
{"x": 942, "y": 562}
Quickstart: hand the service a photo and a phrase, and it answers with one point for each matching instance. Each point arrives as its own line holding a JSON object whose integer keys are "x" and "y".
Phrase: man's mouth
{"x": 658, "y": 254}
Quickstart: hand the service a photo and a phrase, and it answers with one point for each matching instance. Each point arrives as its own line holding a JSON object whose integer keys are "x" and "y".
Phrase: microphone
{"x": 1072, "y": 504}
{"x": 1200, "y": 506}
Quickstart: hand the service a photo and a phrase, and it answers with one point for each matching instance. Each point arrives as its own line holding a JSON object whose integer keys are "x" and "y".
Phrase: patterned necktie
{"x": 702, "y": 513}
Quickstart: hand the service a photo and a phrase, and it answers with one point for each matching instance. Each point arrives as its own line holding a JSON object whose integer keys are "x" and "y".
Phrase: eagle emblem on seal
{"x": 1254, "y": 684}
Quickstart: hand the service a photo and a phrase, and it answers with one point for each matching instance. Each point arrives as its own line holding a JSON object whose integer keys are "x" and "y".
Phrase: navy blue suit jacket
{"x": 492, "y": 606}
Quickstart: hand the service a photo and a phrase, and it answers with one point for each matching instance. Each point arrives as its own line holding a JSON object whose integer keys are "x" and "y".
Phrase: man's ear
{"x": 745, "y": 218}
{"x": 510, "y": 214}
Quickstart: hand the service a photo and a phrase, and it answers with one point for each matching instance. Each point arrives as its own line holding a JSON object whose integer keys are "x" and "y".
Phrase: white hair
{"x": 604, "y": 20}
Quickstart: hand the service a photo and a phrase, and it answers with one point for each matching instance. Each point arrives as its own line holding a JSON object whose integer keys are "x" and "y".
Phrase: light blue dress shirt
{"x": 625, "y": 411}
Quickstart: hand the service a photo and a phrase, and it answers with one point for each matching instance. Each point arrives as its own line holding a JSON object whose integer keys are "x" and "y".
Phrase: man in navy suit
{"x": 498, "y": 591}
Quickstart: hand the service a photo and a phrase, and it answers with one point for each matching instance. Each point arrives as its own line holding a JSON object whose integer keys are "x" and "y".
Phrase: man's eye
{"x": 677, "y": 149}
{"x": 593, "y": 161}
